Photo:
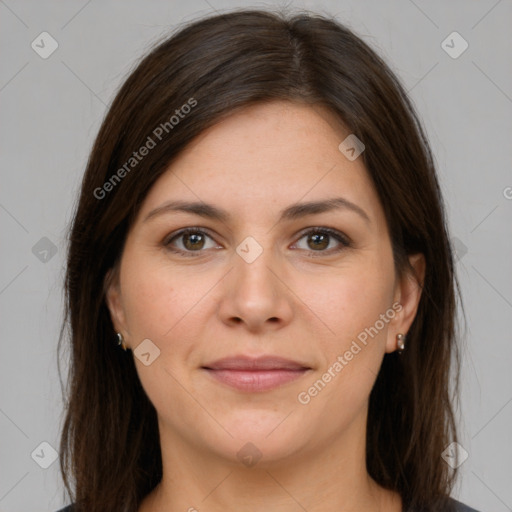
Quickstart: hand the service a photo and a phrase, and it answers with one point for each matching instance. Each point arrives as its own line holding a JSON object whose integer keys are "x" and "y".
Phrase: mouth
{"x": 255, "y": 374}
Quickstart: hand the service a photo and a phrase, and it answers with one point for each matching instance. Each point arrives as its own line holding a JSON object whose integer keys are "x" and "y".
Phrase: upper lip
{"x": 255, "y": 363}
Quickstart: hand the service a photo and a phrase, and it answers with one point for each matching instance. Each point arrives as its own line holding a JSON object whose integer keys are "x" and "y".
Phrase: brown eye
{"x": 189, "y": 241}
{"x": 193, "y": 241}
{"x": 319, "y": 239}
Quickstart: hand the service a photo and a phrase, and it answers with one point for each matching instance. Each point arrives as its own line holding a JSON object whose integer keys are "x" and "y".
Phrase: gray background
{"x": 52, "y": 108}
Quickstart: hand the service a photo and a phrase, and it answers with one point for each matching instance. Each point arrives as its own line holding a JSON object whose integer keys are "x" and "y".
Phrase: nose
{"x": 255, "y": 295}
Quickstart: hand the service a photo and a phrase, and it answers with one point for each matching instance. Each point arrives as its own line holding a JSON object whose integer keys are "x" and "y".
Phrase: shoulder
{"x": 460, "y": 507}
{"x": 455, "y": 506}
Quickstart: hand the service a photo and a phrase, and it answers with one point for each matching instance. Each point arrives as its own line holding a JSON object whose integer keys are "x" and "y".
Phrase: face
{"x": 265, "y": 323}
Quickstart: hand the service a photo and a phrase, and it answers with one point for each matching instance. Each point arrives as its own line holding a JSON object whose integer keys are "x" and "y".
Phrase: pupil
{"x": 194, "y": 239}
{"x": 319, "y": 238}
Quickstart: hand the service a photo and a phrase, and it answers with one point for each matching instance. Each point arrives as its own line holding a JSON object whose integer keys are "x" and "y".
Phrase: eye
{"x": 194, "y": 240}
{"x": 319, "y": 239}
{"x": 191, "y": 239}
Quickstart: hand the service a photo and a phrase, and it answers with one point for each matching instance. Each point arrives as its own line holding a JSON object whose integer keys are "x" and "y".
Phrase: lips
{"x": 255, "y": 374}
{"x": 245, "y": 363}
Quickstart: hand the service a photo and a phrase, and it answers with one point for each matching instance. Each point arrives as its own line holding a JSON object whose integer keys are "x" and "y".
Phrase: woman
{"x": 261, "y": 229}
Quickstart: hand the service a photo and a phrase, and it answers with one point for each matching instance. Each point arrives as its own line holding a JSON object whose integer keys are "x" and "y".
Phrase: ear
{"x": 114, "y": 302}
{"x": 408, "y": 294}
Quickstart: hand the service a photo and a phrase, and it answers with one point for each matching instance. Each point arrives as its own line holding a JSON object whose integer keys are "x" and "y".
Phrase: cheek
{"x": 350, "y": 299}
{"x": 158, "y": 304}
{"x": 150, "y": 305}
{"x": 353, "y": 352}
{"x": 166, "y": 304}
{"x": 152, "y": 297}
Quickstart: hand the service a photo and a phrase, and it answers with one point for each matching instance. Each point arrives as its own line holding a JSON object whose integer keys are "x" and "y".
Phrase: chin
{"x": 260, "y": 438}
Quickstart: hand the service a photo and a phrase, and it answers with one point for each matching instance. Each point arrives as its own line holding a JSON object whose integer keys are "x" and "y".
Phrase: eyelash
{"x": 340, "y": 237}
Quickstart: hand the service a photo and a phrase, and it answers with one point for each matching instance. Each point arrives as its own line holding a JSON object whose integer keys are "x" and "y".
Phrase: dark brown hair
{"x": 109, "y": 453}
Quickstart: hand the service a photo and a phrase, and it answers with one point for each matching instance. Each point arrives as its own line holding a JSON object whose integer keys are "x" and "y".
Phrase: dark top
{"x": 459, "y": 507}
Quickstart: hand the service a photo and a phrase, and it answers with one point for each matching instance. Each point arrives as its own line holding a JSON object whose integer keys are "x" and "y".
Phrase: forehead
{"x": 265, "y": 156}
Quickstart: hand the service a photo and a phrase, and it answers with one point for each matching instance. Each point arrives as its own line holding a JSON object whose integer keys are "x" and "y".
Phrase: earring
{"x": 400, "y": 340}
{"x": 120, "y": 341}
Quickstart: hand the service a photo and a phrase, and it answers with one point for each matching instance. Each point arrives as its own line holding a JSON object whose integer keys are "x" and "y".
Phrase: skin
{"x": 295, "y": 300}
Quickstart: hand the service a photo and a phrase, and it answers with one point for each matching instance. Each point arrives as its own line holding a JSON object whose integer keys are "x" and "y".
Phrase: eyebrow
{"x": 292, "y": 212}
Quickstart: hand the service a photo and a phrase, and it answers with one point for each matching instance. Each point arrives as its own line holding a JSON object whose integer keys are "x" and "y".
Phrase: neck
{"x": 326, "y": 478}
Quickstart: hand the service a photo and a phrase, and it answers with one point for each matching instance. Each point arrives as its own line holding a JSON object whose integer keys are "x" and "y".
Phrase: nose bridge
{"x": 255, "y": 292}
{"x": 255, "y": 266}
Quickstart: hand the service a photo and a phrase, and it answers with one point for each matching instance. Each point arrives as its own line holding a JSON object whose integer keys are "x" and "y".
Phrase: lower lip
{"x": 256, "y": 380}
